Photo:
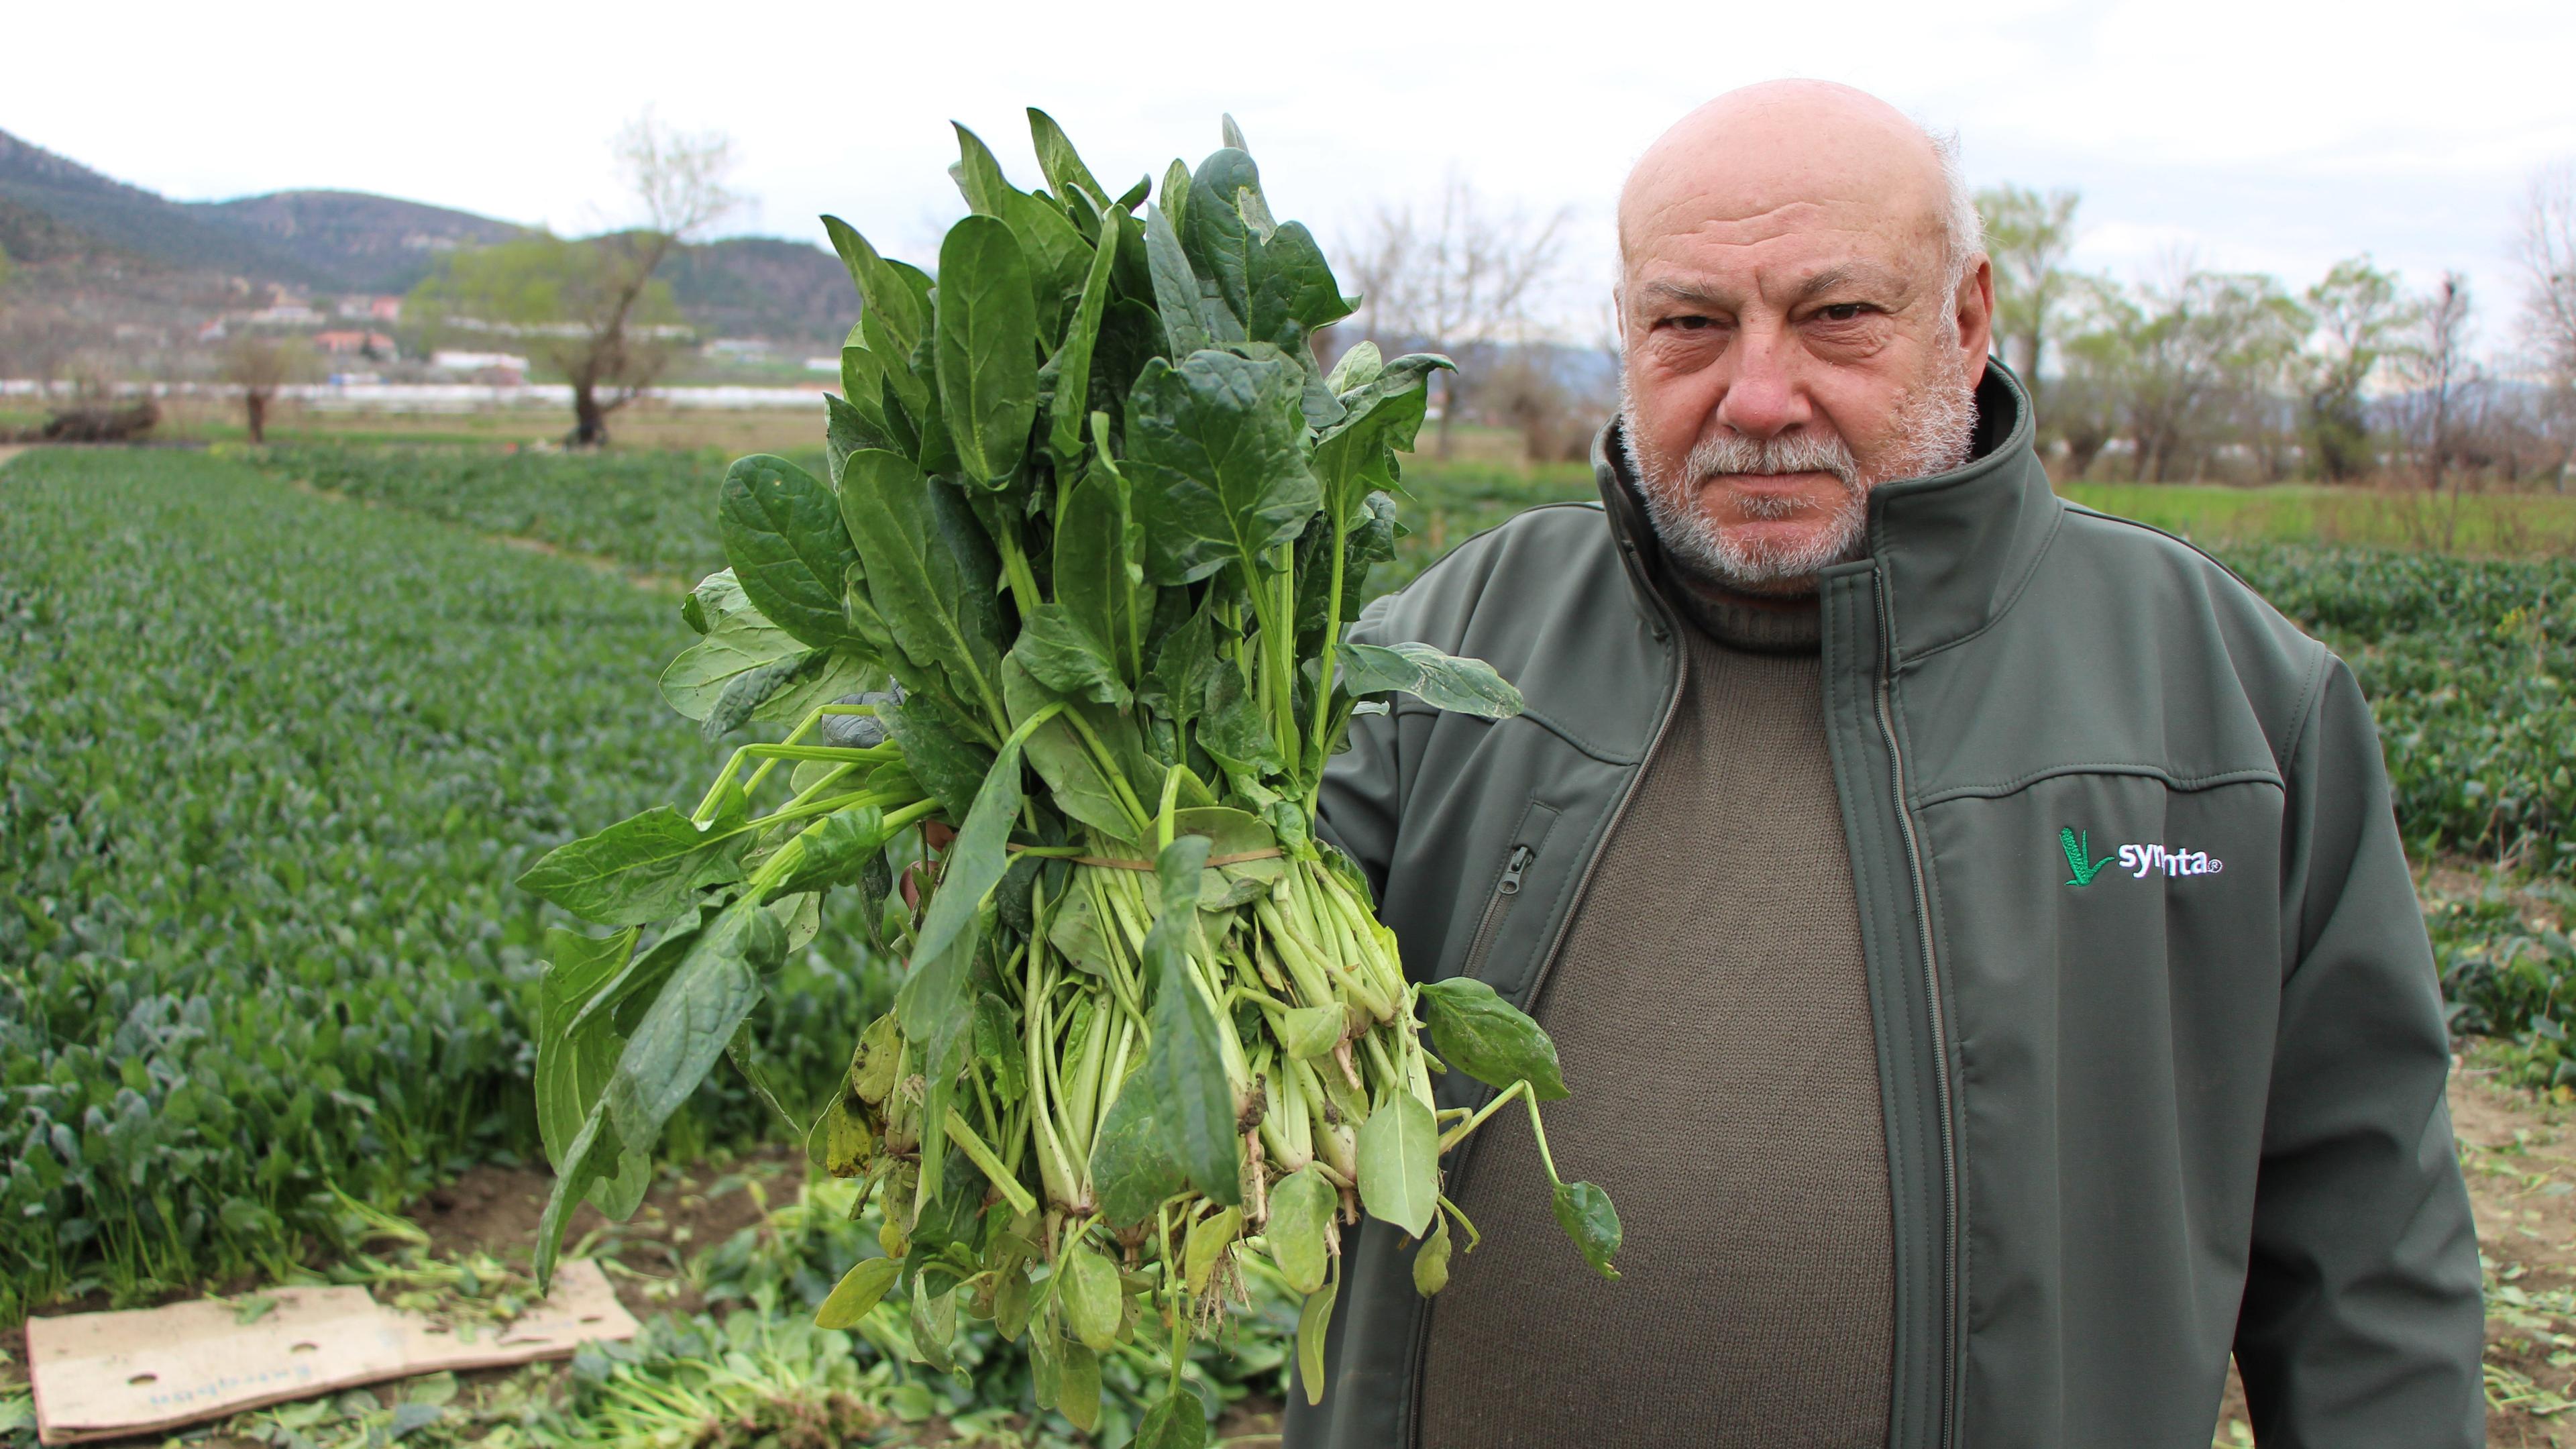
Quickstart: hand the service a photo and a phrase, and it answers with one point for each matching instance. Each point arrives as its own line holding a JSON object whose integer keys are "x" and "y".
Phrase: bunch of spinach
{"x": 1060, "y": 635}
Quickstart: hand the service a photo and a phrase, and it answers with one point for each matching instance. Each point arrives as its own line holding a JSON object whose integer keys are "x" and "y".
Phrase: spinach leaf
{"x": 930, "y": 571}
{"x": 858, "y": 1292}
{"x": 1076, "y": 779}
{"x": 1064, "y": 655}
{"x": 1301, "y": 1213}
{"x": 987, "y": 357}
{"x": 1585, "y": 1213}
{"x": 784, "y": 537}
{"x": 1214, "y": 233}
{"x": 1056, "y": 156}
{"x": 1399, "y": 1159}
{"x": 837, "y": 850}
{"x": 573, "y": 1067}
{"x": 940, "y": 751}
{"x": 890, "y": 297}
{"x": 1072, "y": 361}
{"x": 1132, "y": 1167}
{"x": 643, "y": 869}
{"x": 1176, "y": 287}
{"x": 1186, "y": 1064}
{"x": 1443, "y": 681}
{"x": 1381, "y": 413}
{"x": 975, "y": 860}
{"x": 738, "y": 640}
{"x": 1091, "y": 568}
{"x": 689, "y": 1024}
{"x": 848, "y": 428}
{"x": 1481, "y": 1034}
{"x": 1215, "y": 460}
{"x": 1178, "y": 1420}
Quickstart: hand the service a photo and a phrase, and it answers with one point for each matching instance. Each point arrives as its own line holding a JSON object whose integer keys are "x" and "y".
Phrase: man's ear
{"x": 1975, "y": 314}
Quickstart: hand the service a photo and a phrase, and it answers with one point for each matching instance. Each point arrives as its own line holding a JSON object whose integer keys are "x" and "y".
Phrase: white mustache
{"x": 1763, "y": 457}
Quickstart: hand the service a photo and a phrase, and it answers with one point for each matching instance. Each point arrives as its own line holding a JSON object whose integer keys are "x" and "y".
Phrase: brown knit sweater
{"x": 1713, "y": 1020}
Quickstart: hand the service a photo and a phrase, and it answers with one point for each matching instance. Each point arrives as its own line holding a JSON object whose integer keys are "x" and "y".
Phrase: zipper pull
{"x": 1522, "y": 855}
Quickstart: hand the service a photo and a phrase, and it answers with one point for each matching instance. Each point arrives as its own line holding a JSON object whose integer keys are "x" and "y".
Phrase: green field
{"x": 2508, "y": 525}
{"x": 270, "y": 763}
{"x": 278, "y": 729}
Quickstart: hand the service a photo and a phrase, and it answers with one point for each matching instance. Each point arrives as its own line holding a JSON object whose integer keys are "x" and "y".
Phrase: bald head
{"x": 1804, "y": 310}
{"x": 1785, "y": 152}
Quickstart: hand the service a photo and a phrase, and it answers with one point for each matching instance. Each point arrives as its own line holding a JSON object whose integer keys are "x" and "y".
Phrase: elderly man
{"x": 1974, "y": 928}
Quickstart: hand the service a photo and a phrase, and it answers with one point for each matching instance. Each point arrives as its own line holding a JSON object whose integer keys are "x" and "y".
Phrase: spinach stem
{"x": 1539, "y": 1130}
{"x": 973, "y": 1146}
{"x": 1324, "y": 658}
{"x": 1458, "y": 1134}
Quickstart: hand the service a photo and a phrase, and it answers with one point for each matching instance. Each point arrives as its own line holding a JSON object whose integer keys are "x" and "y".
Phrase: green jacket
{"x": 2159, "y": 1035}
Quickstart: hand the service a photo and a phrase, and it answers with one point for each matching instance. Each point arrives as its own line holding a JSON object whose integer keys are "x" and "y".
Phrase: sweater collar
{"x": 1954, "y": 548}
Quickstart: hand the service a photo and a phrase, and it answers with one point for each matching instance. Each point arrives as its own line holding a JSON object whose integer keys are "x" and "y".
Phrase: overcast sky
{"x": 2246, "y": 134}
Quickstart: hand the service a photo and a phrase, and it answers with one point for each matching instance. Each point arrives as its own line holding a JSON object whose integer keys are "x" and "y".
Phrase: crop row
{"x": 267, "y": 765}
{"x": 2468, "y": 664}
{"x": 653, "y": 511}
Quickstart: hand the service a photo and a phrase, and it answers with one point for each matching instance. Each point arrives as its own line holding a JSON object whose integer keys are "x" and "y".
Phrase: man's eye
{"x": 1841, "y": 311}
{"x": 1689, "y": 324}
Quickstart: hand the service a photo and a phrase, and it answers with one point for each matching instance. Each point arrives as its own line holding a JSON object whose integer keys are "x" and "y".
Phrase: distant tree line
{"x": 2193, "y": 373}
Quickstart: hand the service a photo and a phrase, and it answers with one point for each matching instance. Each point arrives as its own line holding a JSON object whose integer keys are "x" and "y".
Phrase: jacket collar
{"x": 1954, "y": 548}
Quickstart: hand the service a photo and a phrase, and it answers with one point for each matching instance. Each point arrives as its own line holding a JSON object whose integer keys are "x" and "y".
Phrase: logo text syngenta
{"x": 2136, "y": 861}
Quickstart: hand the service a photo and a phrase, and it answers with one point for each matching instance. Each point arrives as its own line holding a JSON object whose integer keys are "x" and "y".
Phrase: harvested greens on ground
{"x": 1059, "y": 649}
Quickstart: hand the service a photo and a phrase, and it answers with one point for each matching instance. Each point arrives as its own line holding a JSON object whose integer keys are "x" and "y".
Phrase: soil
{"x": 2518, "y": 1152}
{"x": 496, "y": 1210}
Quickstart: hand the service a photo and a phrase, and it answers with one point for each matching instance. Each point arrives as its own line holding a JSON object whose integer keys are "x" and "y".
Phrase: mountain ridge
{"x": 56, "y": 210}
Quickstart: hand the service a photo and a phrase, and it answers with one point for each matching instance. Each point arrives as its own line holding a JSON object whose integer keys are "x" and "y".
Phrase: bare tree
{"x": 1551, "y": 398}
{"x": 2028, "y": 236}
{"x": 2548, "y": 257}
{"x": 1458, "y": 280}
{"x": 2440, "y": 381}
{"x": 592, "y": 308}
{"x": 259, "y": 366}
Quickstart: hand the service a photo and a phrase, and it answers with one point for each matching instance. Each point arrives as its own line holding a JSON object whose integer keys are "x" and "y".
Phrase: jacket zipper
{"x": 1498, "y": 907}
{"x": 1932, "y": 1003}
{"x": 1412, "y": 1428}
{"x": 1583, "y": 882}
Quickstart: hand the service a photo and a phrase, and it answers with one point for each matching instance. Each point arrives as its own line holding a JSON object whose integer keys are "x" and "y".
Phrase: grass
{"x": 2488, "y": 524}
{"x": 642, "y": 425}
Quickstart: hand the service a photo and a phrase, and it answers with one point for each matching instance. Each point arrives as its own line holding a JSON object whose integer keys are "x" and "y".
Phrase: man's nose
{"x": 1762, "y": 396}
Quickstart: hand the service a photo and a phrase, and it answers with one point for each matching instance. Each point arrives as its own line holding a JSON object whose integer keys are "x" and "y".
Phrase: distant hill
{"x": 360, "y": 242}
{"x": 55, "y": 210}
{"x": 32, "y": 235}
{"x": 130, "y": 219}
{"x": 759, "y": 286}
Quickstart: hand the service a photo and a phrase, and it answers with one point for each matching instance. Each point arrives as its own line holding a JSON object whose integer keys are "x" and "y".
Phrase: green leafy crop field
{"x": 652, "y": 512}
{"x": 267, "y": 766}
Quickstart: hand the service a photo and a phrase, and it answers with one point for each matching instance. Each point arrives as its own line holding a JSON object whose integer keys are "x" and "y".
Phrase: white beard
{"x": 1935, "y": 429}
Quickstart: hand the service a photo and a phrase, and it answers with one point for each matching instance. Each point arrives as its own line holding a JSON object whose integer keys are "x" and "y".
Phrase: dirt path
{"x": 9, "y": 451}
{"x": 2518, "y": 1150}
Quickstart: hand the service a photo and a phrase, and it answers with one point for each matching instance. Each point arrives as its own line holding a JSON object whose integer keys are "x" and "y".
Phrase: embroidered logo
{"x": 2078, "y": 853}
{"x": 2135, "y": 861}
